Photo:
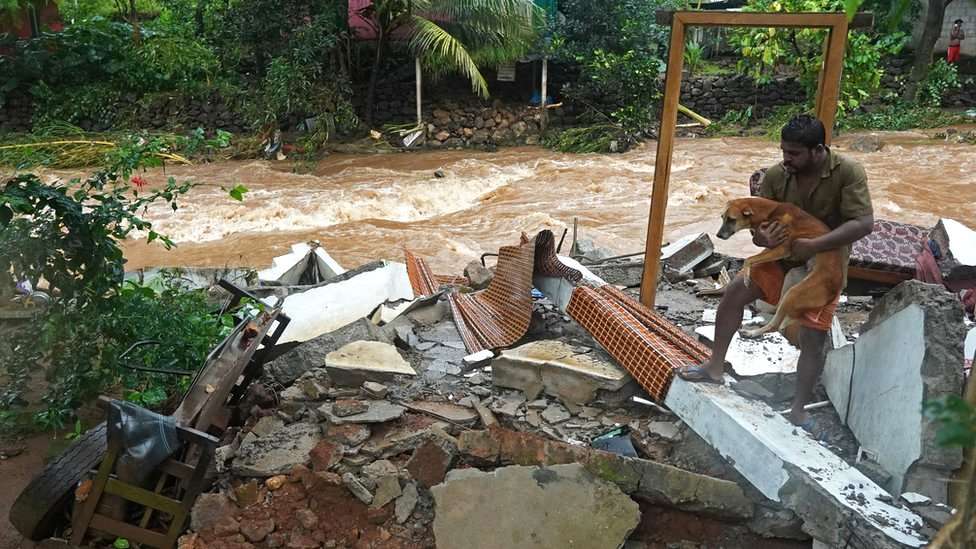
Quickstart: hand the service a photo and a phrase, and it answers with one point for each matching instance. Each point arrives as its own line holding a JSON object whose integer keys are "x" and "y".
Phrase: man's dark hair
{"x": 959, "y": 21}
{"x": 804, "y": 129}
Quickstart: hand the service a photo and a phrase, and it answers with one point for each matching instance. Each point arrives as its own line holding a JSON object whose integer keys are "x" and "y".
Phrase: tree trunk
{"x": 375, "y": 75}
{"x": 134, "y": 21}
{"x": 923, "y": 49}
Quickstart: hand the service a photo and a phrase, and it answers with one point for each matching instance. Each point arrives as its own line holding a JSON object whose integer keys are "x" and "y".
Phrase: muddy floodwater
{"x": 364, "y": 207}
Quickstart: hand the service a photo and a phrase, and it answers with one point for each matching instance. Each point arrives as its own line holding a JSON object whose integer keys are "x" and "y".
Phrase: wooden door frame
{"x": 828, "y": 93}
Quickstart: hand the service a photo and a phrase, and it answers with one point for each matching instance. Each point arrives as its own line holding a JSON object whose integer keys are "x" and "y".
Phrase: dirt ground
{"x": 16, "y": 472}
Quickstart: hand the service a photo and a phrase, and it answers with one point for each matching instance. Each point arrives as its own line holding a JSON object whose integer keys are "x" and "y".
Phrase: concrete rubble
{"x": 909, "y": 351}
{"x": 386, "y": 432}
{"x": 531, "y": 507}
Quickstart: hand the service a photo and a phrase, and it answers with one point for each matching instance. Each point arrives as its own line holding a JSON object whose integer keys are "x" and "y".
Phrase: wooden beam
{"x": 662, "y": 164}
{"x": 828, "y": 93}
{"x": 722, "y": 18}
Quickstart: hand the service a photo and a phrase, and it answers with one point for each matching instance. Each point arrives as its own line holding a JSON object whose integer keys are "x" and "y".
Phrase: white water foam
{"x": 307, "y": 202}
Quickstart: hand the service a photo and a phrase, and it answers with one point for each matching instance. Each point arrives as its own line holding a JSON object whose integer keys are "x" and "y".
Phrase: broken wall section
{"x": 910, "y": 351}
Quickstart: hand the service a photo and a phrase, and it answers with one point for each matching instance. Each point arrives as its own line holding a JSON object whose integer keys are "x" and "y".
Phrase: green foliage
{"x": 618, "y": 48}
{"x": 82, "y": 72}
{"x": 599, "y": 138}
{"x": 941, "y": 78}
{"x": 957, "y": 419}
{"x": 70, "y": 234}
{"x": 62, "y": 145}
{"x": 899, "y": 116}
{"x": 694, "y": 56}
{"x": 768, "y": 51}
{"x": 76, "y": 10}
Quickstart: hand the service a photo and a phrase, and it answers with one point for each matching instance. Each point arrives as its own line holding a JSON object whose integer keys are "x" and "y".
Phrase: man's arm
{"x": 848, "y": 232}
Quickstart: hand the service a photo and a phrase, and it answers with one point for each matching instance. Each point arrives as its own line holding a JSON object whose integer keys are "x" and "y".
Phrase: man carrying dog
{"x": 832, "y": 188}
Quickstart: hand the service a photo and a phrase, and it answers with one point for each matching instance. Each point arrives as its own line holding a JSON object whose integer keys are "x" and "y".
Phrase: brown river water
{"x": 369, "y": 206}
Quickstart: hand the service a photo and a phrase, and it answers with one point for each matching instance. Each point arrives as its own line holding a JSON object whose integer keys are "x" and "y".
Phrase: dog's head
{"x": 738, "y": 215}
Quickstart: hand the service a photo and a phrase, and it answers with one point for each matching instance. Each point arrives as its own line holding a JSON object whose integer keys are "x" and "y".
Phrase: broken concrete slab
{"x": 344, "y": 299}
{"x": 311, "y": 354}
{"x": 559, "y": 290}
{"x": 555, "y": 414}
{"x": 305, "y": 264}
{"x": 356, "y": 488}
{"x": 478, "y": 275}
{"x": 508, "y": 405}
{"x": 678, "y": 259}
{"x": 387, "y": 489}
{"x": 406, "y": 503}
{"x": 478, "y": 360}
{"x": 571, "y": 373}
{"x": 277, "y": 452}
{"x": 786, "y": 465}
{"x": 647, "y": 480}
{"x": 379, "y": 411}
{"x": 444, "y": 359}
{"x": 375, "y": 390}
{"x": 909, "y": 351}
{"x": 516, "y": 503}
{"x": 624, "y": 272}
{"x": 771, "y": 353}
{"x": 452, "y": 413}
{"x": 355, "y": 363}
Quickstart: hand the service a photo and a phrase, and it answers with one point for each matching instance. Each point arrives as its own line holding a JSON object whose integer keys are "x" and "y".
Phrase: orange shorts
{"x": 769, "y": 278}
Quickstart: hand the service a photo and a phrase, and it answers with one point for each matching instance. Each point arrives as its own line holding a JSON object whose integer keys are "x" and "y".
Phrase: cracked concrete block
{"x": 558, "y": 289}
{"x": 625, "y": 272}
{"x": 650, "y": 481}
{"x": 345, "y": 299}
{"x": 678, "y": 260}
{"x": 277, "y": 452}
{"x": 311, "y": 354}
{"x": 910, "y": 350}
{"x": 531, "y": 508}
{"x": 570, "y": 373}
{"x": 362, "y": 361}
{"x": 788, "y": 466}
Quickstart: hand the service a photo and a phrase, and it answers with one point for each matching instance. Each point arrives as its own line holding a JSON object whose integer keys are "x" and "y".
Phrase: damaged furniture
{"x": 188, "y": 470}
{"x": 202, "y": 413}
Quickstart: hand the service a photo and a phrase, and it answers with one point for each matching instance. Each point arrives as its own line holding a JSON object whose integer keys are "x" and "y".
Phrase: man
{"x": 833, "y": 189}
{"x": 956, "y": 36}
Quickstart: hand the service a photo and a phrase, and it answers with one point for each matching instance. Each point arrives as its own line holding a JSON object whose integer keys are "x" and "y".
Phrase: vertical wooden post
{"x": 828, "y": 92}
{"x": 662, "y": 163}
{"x": 545, "y": 90}
{"x": 418, "y": 75}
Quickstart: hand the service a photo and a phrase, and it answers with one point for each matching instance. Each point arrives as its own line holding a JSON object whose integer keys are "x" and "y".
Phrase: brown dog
{"x": 819, "y": 288}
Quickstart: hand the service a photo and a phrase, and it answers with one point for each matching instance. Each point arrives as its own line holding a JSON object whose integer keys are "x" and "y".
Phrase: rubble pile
{"x": 376, "y": 426}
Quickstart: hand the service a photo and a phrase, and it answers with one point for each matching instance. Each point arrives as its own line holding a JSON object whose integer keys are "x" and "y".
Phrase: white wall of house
{"x": 958, "y": 9}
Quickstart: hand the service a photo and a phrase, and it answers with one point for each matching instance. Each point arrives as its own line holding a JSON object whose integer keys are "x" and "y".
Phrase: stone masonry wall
{"x": 714, "y": 96}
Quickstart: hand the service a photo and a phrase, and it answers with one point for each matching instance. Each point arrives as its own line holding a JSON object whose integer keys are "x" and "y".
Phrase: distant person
{"x": 956, "y": 36}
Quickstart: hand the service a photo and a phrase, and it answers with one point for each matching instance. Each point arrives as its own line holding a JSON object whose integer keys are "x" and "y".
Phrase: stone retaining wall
{"x": 715, "y": 96}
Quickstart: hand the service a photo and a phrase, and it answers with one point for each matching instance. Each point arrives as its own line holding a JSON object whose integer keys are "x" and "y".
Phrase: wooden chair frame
{"x": 828, "y": 93}
{"x": 202, "y": 409}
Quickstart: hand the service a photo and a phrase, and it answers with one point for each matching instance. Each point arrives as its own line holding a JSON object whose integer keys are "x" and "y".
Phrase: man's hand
{"x": 803, "y": 249}
{"x": 770, "y": 234}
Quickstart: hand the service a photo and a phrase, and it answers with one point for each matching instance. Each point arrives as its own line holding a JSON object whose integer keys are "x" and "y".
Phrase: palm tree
{"x": 453, "y": 35}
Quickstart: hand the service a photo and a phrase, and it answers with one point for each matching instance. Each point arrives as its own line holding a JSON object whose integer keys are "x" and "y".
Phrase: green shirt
{"x": 841, "y": 195}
